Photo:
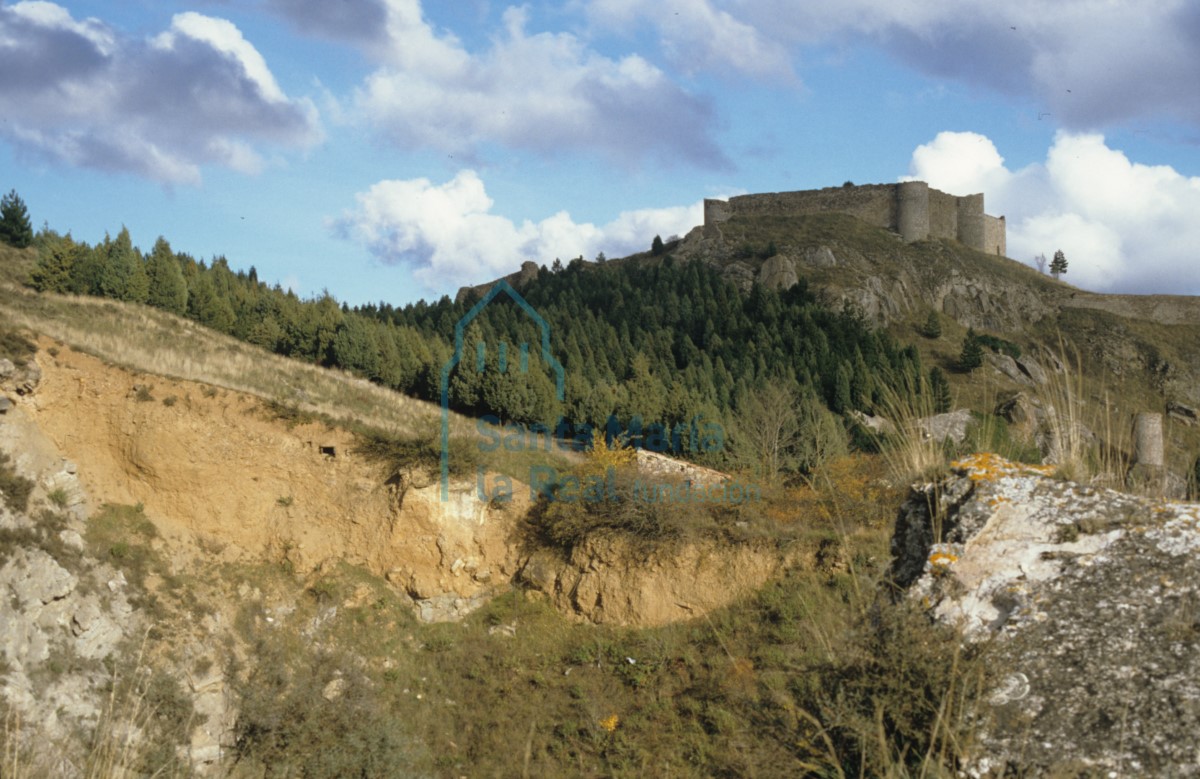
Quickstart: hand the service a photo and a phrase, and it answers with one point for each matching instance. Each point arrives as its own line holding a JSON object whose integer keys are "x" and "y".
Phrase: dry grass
{"x": 1089, "y": 441}
{"x": 151, "y": 341}
{"x": 910, "y": 452}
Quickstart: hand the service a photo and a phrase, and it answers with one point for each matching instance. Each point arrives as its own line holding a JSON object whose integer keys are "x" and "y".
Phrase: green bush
{"x": 15, "y": 487}
{"x": 971, "y": 356}
{"x": 399, "y": 454}
{"x": 1000, "y": 345}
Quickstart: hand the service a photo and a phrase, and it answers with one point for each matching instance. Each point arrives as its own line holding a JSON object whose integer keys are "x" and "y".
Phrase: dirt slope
{"x": 221, "y": 476}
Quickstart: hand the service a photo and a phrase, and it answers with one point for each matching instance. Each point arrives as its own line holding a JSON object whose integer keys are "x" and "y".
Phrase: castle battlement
{"x": 911, "y": 208}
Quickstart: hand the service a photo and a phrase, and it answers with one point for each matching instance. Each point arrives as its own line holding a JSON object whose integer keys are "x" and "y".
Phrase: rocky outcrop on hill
{"x": 1091, "y": 600}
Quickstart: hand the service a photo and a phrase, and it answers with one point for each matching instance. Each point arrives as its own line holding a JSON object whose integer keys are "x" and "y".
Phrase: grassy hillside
{"x": 816, "y": 674}
{"x": 1124, "y": 353}
{"x": 800, "y": 678}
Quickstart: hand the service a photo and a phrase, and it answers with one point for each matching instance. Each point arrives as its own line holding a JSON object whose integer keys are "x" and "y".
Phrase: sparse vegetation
{"x": 1058, "y": 265}
{"x": 15, "y": 488}
{"x": 932, "y": 328}
{"x": 971, "y": 356}
{"x": 16, "y": 347}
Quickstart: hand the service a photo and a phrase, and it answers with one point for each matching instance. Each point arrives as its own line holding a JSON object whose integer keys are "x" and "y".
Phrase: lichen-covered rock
{"x": 1093, "y": 599}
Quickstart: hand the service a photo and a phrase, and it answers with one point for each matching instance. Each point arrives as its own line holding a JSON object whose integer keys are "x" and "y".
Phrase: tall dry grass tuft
{"x": 1085, "y": 441}
{"x": 910, "y": 452}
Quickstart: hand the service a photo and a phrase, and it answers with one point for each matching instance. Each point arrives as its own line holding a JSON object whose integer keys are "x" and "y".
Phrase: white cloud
{"x": 80, "y": 93}
{"x": 1124, "y": 226}
{"x": 223, "y": 36}
{"x": 698, "y": 36}
{"x": 541, "y": 91}
{"x": 1091, "y": 63}
{"x": 961, "y": 162}
{"x": 448, "y": 234}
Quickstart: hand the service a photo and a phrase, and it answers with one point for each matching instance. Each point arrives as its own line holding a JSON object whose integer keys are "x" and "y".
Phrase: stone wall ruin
{"x": 911, "y": 208}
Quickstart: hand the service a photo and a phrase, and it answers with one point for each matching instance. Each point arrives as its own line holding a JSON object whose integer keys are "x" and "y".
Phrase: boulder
{"x": 873, "y": 423}
{"x": 778, "y": 272}
{"x": 951, "y": 425}
{"x": 1031, "y": 368}
{"x": 1182, "y": 413}
{"x": 36, "y": 578}
{"x": 1021, "y": 413}
{"x": 820, "y": 257}
{"x": 1088, "y": 599}
{"x": 1008, "y": 366}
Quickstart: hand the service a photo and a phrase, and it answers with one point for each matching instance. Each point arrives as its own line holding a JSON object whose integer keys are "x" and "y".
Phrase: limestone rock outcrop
{"x": 1090, "y": 601}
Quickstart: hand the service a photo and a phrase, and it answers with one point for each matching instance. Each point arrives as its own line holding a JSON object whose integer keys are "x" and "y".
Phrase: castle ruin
{"x": 911, "y": 208}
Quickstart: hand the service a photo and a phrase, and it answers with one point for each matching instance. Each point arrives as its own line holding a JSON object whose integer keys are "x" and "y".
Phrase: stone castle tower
{"x": 911, "y": 208}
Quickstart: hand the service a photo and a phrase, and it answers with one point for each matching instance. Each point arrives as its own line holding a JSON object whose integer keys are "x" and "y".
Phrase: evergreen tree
{"x": 939, "y": 387}
{"x": 843, "y": 398}
{"x": 15, "y": 228}
{"x": 88, "y": 268}
{"x": 124, "y": 275}
{"x": 354, "y": 347}
{"x": 933, "y": 326}
{"x": 167, "y": 289}
{"x": 207, "y": 307}
{"x": 1058, "y": 265}
{"x": 656, "y": 246}
{"x": 56, "y": 266}
{"x": 972, "y": 352}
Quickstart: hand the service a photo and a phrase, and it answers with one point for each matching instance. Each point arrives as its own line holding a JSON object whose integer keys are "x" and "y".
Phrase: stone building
{"x": 912, "y": 208}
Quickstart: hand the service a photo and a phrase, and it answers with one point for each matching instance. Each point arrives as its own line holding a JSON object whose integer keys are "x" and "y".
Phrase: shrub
{"x": 971, "y": 356}
{"x": 399, "y": 454}
{"x": 16, "y": 488}
{"x": 1000, "y": 345}
{"x": 932, "y": 328}
{"x": 292, "y": 723}
{"x": 563, "y": 520}
{"x": 16, "y": 347}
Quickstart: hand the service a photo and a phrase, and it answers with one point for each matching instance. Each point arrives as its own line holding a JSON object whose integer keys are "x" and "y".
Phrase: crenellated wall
{"x": 911, "y": 208}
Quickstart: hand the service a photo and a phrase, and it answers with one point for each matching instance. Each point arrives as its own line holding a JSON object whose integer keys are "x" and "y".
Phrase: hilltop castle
{"x": 912, "y": 208}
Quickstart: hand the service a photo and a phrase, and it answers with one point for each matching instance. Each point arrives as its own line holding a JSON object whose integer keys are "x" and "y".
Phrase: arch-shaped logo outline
{"x": 459, "y": 328}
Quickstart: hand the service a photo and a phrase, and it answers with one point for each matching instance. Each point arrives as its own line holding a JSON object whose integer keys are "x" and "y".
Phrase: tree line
{"x": 661, "y": 343}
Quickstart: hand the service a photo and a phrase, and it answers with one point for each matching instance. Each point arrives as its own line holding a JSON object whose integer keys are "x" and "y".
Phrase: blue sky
{"x": 398, "y": 149}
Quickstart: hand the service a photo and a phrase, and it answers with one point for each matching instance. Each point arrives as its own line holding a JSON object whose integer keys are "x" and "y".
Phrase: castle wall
{"x": 971, "y": 223}
{"x": 943, "y": 215}
{"x": 874, "y": 203}
{"x": 995, "y": 235}
{"x": 716, "y": 210}
{"x": 911, "y": 208}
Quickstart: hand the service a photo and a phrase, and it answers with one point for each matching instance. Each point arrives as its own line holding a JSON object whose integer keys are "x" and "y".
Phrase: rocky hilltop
{"x": 1089, "y": 604}
{"x": 895, "y": 284}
